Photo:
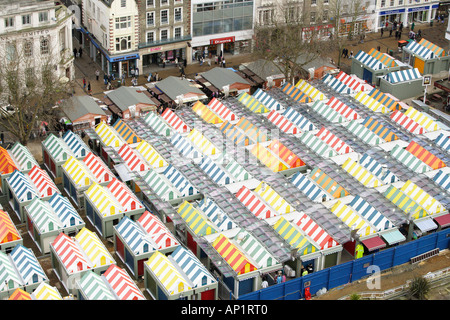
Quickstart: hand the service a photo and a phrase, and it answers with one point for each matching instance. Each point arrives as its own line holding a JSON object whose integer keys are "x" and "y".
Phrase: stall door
{"x": 367, "y": 76}
{"x": 208, "y": 295}
{"x": 419, "y": 64}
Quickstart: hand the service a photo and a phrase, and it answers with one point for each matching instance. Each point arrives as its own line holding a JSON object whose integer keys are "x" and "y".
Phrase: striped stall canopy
{"x": 134, "y": 236}
{"x": 175, "y": 121}
{"x": 317, "y": 145}
{"x": 363, "y": 133}
{"x": 343, "y": 109}
{"x": 442, "y": 179}
{"x": 8, "y": 231}
{"x": 46, "y": 292}
{"x": 310, "y": 188}
{"x": 192, "y": 267}
{"x": 56, "y": 148}
{"x": 352, "y": 219}
{"x": 103, "y": 201}
{"x": 438, "y": 51}
{"x": 294, "y": 237}
{"x": 251, "y": 131}
{"x": 272, "y": 198}
{"x": 380, "y": 130}
{"x": 405, "y": 203}
{"x": 377, "y": 169}
{"x": 252, "y": 103}
{"x": 158, "y": 124}
{"x": 267, "y": 100}
{"x": 124, "y": 130}
{"x": 334, "y": 142}
{"x": 314, "y": 231}
{"x": 383, "y": 58}
{"x": 127, "y": 199}
{"x": 98, "y": 168}
{"x": 311, "y": 91}
{"x": 150, "y": 155}
{"x": 8, "y": 274}
{"x": 327, "y": 112}
{"x": 372, "y": 215}
{"x": 78, "y": 172}
{"x": 221, "y": 110}
{"x": 22, "y": 156}
{"x": 195, "y": 220}
{"x": 7, "y": 164}
{"x": 132, "y": 158}
{"x": 108, "y": 135}
{"x": 179, "y": 181}
{"x": 327, "y": 184}
{"x": 201, "y": 142}
{"x": 65, "y": 211}
{"x": 403, "y": 75}
{"x": 157, "y": 231}
{"x": 161, "y": 186}
{"x": 215, "y": 214}
{"x": 253, "y": 248}
{"x": 184, "y": 146}
{"x": 43, "y": 183}
{"x": 423, "y": 120}
{"x": 370, "y": 102}
{"x": 282, "y": 152}
{"x": 238, "y": 172}
{"x": 254, "y": 203}
{"x": 215, "y": 171}
{"x": 336, "y": 85}
{"x": 298, "y": 119}
{"x": 443, "y": 141}
{"x": 295, "y": 93}
{"x": 95, "y": 288}
{"x": 361, "y": 174}
{"x": 122, "y": 284}
{"x": 94, "y": 249}
{"x": 22, "y": 186}
{"x": 70, "y": 254}
{"x": 234, "y": 134}
{"x": 167, "y": 274}
{"x": 282, "y": 122}
{"x": 426, "y": 156}
{"x": 232, "y": 255}
{"x": 268, "y": 158}
{"x": 206, "y": 113}
{"x": 369, "y": 61}
{"x": 424, "y": 199}
{"x": 20, "y": 294}
{"x": 407, "y": 123}
{"x": 43, "y": 218}
{"x": 354, "y": 83}
{"x": 76, "y": 144}
{"x": 419, "y": 50}
{"x": 409, "y": 160}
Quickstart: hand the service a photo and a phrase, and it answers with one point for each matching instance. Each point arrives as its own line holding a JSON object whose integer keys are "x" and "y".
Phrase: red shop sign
{"x": 222, "y": 40}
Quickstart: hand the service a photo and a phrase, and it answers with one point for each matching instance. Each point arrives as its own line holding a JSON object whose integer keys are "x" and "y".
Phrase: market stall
{"x": 9, "y": 235}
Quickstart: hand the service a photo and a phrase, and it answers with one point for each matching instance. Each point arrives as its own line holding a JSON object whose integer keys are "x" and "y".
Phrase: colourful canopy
{"x": 175, "y": 121}
{"x": 221, "y": 110}
{"x": 124, "y": 130}
{"x": 195, "y": 220}
{"x": 334, "y": 142}
{"x": 252, "y": 103}
{"x": 8, "y": 231}
{"x": 232, "y": 255}
{"x": 206, "y": 113}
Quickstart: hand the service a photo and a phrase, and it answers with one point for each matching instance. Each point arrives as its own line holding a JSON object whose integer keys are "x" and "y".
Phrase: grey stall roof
{"x": 220, "y": 77}
{"x": 124, "y": 97}
{"x": 78, "y": 106}
{"x": 173, "y": 87}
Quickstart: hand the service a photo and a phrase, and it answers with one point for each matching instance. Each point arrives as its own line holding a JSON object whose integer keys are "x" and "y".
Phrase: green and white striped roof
{"x": 158, "y": 124}
{"x": 327, "y": 112}
{"x": 161, "y": 186}
{"x": 409, "y": 160}
{"x": 95, "y": 288}
{"x": 255, "y": 249}
{"x": 57, "y": 148}
{"x": 318, "y": 146}
{"x": 23, "y": 156}
{"x": 363, "y": 133}
{"x": 42, "y": 216}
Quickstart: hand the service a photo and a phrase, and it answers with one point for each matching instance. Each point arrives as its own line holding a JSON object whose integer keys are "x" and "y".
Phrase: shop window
{"x": 164, "y": 3}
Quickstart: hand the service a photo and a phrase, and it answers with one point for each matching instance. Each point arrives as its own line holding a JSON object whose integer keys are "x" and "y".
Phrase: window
{"x": 178, "y": 14}
{"x": 123, "y": 22}
{"x": 123, "y": 3}
{"x": 400, "y": 2}
{"x": 9, "y": 22}
{"x": 44, "y": 46}
{"x": 326, "y": 1}
{"x": 177, "y": 33}
{"x": 164, "y": 16}
{"x": 164, "y": 34}
{"x": 11, "y": 53}
{"x": 383, "y": 3}
{"x": 150, "y": 36}
{"x": 150, "y": 3}
{"x": 164, "y": 3}
{"x": 177, "y": 2}
{"x": 313, "y": 17}
{"x": 123, "y": 43}
{"x": 392, "y": 3}
{"x": 43, "y": 16}
{"x": 150, "y": 18}
{"x": 28, "y": 48}
{"x": 26, "y": 19}
{"x": 325, "y": 15}
{"x": 313, "y": 2}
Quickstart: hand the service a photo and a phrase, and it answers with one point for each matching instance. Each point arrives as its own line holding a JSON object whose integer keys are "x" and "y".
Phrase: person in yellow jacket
{"x": 359, "y": 251}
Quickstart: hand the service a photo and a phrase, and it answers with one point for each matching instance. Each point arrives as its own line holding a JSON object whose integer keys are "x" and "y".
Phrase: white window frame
{"x": 123, "y": 3}
{"x": 160, "y": 34}
{"x": 149, "y": 6}
{"x": 174, "y": 33}
{"x": 44, "y": 50}
{"x": 146, "y": 36}
{"x": 175, "y": 2}
{"x": 146, "y": 19}
{"x": 166, "y": 3}
{"x": 9, "y": 22}
{"x": 175, "y": 15}
{"x": 161, "y": 17}
{"x": 43, "y": 14}
{"x": 27, "y": 19}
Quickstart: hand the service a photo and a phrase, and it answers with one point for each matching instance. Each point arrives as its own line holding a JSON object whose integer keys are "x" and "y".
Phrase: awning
{"x": 374, "y": 243}
{"x": 393, "y": 236}
{"x": 426, "y": 224}
{"x": 443, "y": 221}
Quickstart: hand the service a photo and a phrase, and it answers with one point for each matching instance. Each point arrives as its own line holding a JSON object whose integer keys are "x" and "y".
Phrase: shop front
{"x": 169, "y": 53}
{"x": 422, "y": 14}
{"x": 389, "y": 16}
{"x": 221, "y": 46}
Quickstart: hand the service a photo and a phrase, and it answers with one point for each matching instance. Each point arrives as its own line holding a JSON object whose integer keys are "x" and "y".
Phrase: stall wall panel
{"x": 384, "y": 259}
{"x": 360, "y": 267}
{"x": 292, "y": 289}
{"x": 208, "y": 295}
{"x": 419, "y": 64}
{"x": 339, "y": 275}
{"x": 120, "y": 248}
{"x": 246, "y": 286}
{"x": 367, "y": 76}
{"x": 140, "y": 265}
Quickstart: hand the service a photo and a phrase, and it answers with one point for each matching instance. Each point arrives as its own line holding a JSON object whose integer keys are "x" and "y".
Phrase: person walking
{"x": 75, "y": 52}
{"x": 400, "y": 27}
{"x": 97, "y": 74}
{"x": 123, "y": 78}
{"x": 105, "y": 79}
{"x": 84, "y": 83}
{"x": 89, "y": 88}
{"x": 80, "y": 52}
{"x": 223, "y": 62}
{"x": 382, "y": 32}
{"x": 264, "y": 283}
{"x": 412, "y": 26}
{"x": 390, "y": 32}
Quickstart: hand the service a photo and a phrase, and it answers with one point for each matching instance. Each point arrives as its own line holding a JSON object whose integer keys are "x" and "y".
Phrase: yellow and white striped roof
{"x": 202, "y": 143}
{"x": 371, "y": 103}
{"x": 107, "y": 135}
{"x": 102, "y": 200}
{"x": 46, "y": 292}
{"x": 272, "y": 198}
{"x": 94, "y": 248}
{"x": 310, "y": 90}
{"x": 79, "y": 174}
{"x": 422, "y": 119}
{"x": 361, "y": 174}
{"x": 352, "y": 219}
{"x": 153, "y": 158}
{"x": 425, "y": 200}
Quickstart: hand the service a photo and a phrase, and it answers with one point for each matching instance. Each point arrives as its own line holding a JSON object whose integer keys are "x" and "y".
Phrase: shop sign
{"x": 155, "y": 49}
{"x": 222, "y": 40}
{"x": 419, "y": 9}
{"x": 123, "y": 58}
{"x": 325, "y": 26}
{"x": 383, "y": 13}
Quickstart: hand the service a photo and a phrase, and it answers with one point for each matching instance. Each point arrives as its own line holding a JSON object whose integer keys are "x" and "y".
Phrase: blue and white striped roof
{"x": 135, "y": 237}
{"x": 179, "y": 181}
{"x": 76, "y": 144}
{"x": 310, "y": 188}
{"x": 215, "y": 171}
{"x": 66, "y": 213}
{"x": 28, "y": 266}
{"x": 22, "y": 187}
{"x": 379, "y": 221}
{"x": 442, "y": 179}
{"x": 369, "y": 61}
{"x": 184, "y": 146}
{"x": 419, "y": 50}
{"x": 443, "y": 141}
{"x": 336, "y": 84}
{"x": 298, "y": 119}
{"x": 377, "y": 169}
{"x": 403, "y": 75}
{"x": 267, "y": 100}
{"x": 216, "y": 215}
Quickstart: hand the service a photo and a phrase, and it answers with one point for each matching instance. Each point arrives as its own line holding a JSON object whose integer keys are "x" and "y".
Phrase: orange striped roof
{"x": 7, "y": 164}
{"x": 205, "y": 113}
{"x": 328, "y": 184}
{"x": 285, "y": 154}
{"x": 20, "y": 294}
{"x": 232, "y": 255}
{"x": 8, "y": 232}
{"x": 383, "y": 58}
{"x": 426, "y": 156}
{"x": 438, "y": 51}
{"x": 267, "y": 158}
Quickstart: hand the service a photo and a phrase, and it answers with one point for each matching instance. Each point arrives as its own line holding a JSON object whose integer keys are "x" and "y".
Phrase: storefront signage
{"x": 326, "y": 26}
{"x": 383, "y": 13}
{"x": 155, "y": 49}
{"x": 222, "y": 40}
{"x": 123, "y": 58}
{"x": 418, "y": 9}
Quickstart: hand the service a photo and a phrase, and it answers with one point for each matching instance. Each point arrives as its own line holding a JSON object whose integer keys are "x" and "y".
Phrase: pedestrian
{"x": 156, "y": 76}
{"x": 123, "y": 78}
{"x": 136, "y": 72}
{"x": 132, "y": 72}
{"x": 442, "y": 18}
{"x": 223, "y": 62}
{"x": 97, "y": 74}
{"x": 412, "y": 26}
{"x": 2, "y": 137}
{"x": 399, "y": 35}
{"x": 387, "y": 24}
{"x": 164, "y": 62}
{"x": 401, "y": 26}
{"x": 264, "y": 283}
{"x": 396, "y": 34}
{"x": 60, "y": 133}
{"x": 279, "y": 277}
{"x": 382, "y": 32}
{"x": 351, "y": 55}
{"x": 84, "y": 83}
{"x": 390, "y": 32}
{"x": 304, "y": 272}
{"x": 89, "y": 88}
{"x": 343, "y": 52}
{"x": 80, "y": 52}
{"x": 75, "y": 52}
{"x": 105, "y": 79}
{"x": 149, "y": 78}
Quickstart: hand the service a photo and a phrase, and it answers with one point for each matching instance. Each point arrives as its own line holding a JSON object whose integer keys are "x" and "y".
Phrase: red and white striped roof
{"x": 254, "y": 204}
{"x": 221, "y": 110}
{"x": 282, "y": 122}
{"x": 406, "y": 122}
{"x": 70, "y": 255}
{"x": 43, "y": 183}
{"x": 123, "y": 195}
{"x": 315, "y": 232}
{"x": 122, "y": 284}
{"x": 343, "y": 109}
{"x": 175, "y": 121}
{"x": 157, "y": 230}
{"x": 334, "y": 142}
{"x": 132, "y": 159}
{"x": 353, "y": 82}
{"x": 98, "y": 168}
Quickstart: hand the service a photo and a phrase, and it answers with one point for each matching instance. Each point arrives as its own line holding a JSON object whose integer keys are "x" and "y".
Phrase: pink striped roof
{"x": 122, "y": 284}
{"x": 282, "y": 122}
{"x": 44, "y": 184}
{"x": 132, "y": 159}
{"x": 175, "y": 121}
{"x": 315, "y": 232}
{"x": 70, "y": 255}
{"x": 353, "y": 82}
{"x": 343, "y": 109}
{"x": 254, "y": 204}
{"x": 221, "y": 110}
{"x": 124, "y": 196}
{"x": 157, "y": 230}
{"x": 98, "y": 168}
{"x": 334, "y": 142}
{"x": 406, "y": 122}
